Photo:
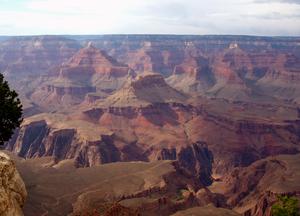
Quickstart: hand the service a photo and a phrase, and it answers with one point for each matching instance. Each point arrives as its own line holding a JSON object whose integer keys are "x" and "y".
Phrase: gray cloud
{"x": 281, "y": 1}
{"x": 274, "y": 16}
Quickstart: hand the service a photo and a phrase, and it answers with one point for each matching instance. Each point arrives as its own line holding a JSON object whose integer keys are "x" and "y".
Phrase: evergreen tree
{"x": 10, "y": 111}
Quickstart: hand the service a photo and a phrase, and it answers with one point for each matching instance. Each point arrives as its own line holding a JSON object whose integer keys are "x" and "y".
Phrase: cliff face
{"x": 152, "y": 188}
{"x": 193, "y": 75}
{"x": 237, "y": 68}
{"x": 254, "y": 189}
{"x": 145, "y": 89}
{"x": 88, "y": 71}
{"x": 42, "y": 138}
{"x": 167, "y": 131}
{"x": 247, "y": 65}
{"x": 33, "y": 56}
{"x": 12, "y": 188}
{"x": 154, "y": 56}
{"x": 25, "y": 61}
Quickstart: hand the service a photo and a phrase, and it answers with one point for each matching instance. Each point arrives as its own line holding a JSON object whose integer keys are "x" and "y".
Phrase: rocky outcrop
{"x": 254, "y": 189}
{"x": 159, "y": 187}
{"x": 231, "y": 67}
{"x": 39, "y": 139}
{"x": 194, "y": 75}
{"x": 154, "y": 56}
{"x": 42, "y": 138}
{"x": 159, "y": 131}
{"x": 206, "y": 211}
{"x": 198, "y": 160}
{"x": 91, "y": 60}
{"x": 25, "y": 61}
{"x": 34, "y": 56}
{"x": 146, "y": 89}
{"x": 12, "y": 188}
{"x": 100, "y": 152}
{"x": 89, "y": 71}
{"x": 54, "y": 97}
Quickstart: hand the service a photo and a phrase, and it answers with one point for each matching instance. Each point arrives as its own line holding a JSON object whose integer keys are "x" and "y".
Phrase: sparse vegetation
{"x": 179, "y": 195}
{"x": 286, "y": 206}
{"x": 10, "y": 111}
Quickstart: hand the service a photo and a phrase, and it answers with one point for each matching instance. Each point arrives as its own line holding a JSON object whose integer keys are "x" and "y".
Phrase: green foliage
{"x": 10, "y": 111}
{"x": 286, "y": 206}
{"x": 179, "y": 195}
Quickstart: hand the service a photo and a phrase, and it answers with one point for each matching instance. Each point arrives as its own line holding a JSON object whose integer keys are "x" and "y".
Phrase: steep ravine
{"x": 38, "y": 139}
{"x": 113, "y": 134}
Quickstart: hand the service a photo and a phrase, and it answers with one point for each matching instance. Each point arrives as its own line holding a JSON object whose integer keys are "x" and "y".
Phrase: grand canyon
{"x": 155, "y": 124}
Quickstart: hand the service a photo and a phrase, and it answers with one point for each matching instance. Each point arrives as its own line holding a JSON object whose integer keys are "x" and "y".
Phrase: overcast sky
{"x": 250, "y": 17}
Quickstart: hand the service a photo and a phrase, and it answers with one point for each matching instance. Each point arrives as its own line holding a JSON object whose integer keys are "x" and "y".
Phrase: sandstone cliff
{"x": 161, "y": 131}
{"x": 253, "y": 190}
{"x": 148, "y": 88}
{"x": 12, "y": 188}
{"x": 90, "y": 70}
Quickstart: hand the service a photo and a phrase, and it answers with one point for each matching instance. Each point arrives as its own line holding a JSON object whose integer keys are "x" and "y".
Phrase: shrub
{"x": 286, "y": 206}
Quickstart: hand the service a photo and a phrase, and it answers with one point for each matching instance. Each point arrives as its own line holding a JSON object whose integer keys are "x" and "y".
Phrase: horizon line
{"x": 152, "y": 34}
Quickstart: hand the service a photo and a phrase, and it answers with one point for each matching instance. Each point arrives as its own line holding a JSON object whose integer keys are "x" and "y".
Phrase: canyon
{"x": 167, "y": 124}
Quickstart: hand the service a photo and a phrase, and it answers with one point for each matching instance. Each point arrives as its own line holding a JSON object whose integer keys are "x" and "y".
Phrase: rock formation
{"x": 12, "y": 188}
{"x": 25, "y": 61}
{"x": 206, "y": 211}
{"x": 194, "y": 75}
{"x": 146, "y": 187}
{"x": 231, "y": 67}
{"x": 160, "y": 57}
{"x": 146, "y": 89}
{"x": 228, "y": 109}
{"x": 89, "y": 71}
{"x": 253, "y": 190}
{"x": 159, "y": 131}
{"x": 34, "y": 56}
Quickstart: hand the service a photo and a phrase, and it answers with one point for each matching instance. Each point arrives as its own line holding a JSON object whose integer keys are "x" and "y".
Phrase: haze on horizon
{"x": 242, "y": 17}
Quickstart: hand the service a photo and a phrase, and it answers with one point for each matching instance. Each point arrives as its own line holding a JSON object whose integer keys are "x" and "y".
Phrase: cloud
{"x": 149, "y": 16}
{"x": 280, "y": 1}
{"x": 274, "y": 16}
{"x": 164, "y": 10}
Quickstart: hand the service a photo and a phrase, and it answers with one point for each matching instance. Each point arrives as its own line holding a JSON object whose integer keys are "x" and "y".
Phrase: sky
{"x": 199, "y": 17}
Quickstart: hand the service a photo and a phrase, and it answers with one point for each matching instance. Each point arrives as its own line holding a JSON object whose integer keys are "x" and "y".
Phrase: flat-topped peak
{"x": 145, "y": 89}
{"x": 148, "y": 80}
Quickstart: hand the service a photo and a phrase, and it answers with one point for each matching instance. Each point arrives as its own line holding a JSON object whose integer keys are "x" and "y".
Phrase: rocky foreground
{"x": 150, "y": 188}
{"x": 12, "y": 189}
